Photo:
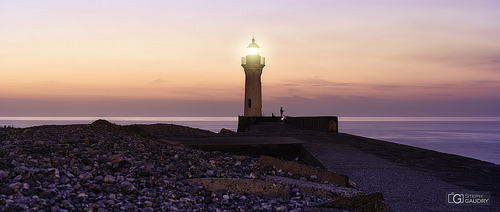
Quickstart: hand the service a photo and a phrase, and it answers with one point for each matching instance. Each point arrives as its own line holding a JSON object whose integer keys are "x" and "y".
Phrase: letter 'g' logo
{"x": 468, "y": 198}
{"x": 455, "y": 198}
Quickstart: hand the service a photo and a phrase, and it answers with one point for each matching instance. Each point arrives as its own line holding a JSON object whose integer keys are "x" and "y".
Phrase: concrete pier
{"x": 410, "y": 178}
{"x": 321, "y": 123}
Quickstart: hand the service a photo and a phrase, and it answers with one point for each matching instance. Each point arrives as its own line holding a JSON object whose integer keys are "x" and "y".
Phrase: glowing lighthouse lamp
{"x": 253, "y": 48}
{"x": 253, "y": 64}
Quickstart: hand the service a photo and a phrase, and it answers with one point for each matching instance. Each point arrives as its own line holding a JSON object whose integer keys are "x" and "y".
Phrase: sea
{"x": 474, "y": 137}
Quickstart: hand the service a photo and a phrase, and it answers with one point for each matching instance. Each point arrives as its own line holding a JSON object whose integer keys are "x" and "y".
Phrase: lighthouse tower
{"x": 253, "y": 64}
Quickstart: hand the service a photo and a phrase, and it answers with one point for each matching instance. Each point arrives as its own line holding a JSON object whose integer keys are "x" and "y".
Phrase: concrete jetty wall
{"x": 245, "y": 121}
{"x": 321, "y": 123}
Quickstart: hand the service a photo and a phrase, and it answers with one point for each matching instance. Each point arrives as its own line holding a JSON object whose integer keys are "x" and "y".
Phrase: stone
{"x": 127, "y": 187}
{"x": 69, "y": 174}
{"x": 26, "y": 186}
{"x": 210, "y": 173}
{"x": 23, "y": 173}
{"x": 109, "y": 179}
{"x": 281, "y": 208}
{"x": 5, "y": 190}
{"x": 82, "y": 195}
{"x": 4, "y": 174}
{"x": 87, "y": 168}
{"x": 85, "y": 176}
{"x": 15, "y": 186}
{"x": 226, "y": 131}
{"x": 266, "y": 206}
{"x": 54, "y": 173}
{"x": 101, "y": 122}
{"x": 112, "y": 196}
{"x": 98, "y": 178}
{"x": 39, "y": 143}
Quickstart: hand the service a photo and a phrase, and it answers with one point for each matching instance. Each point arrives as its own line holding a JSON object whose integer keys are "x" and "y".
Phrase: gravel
{"x": 106, "y": 167}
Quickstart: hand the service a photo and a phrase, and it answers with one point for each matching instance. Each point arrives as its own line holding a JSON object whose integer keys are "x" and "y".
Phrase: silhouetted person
{"x": 272, "y": 114}
{"x": 281, "y": 111}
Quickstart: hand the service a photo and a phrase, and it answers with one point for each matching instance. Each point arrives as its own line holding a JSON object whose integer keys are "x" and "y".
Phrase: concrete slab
{"x": 403, "y": 188}
{"x": 411, "y": 179}
{"x": 236, "y": 140}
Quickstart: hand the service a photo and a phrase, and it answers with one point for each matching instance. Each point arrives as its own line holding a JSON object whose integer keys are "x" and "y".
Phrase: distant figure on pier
{"x": 281, "y": 111}
{"x": 272, "y": 114}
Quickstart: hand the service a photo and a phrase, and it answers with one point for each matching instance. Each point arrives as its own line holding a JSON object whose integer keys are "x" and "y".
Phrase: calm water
{"x": 472, "y": 137}
{"x": 467, "y": 136}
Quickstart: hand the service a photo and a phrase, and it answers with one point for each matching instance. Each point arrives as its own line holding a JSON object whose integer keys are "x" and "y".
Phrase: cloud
{"x": 487, "y": 82}
{"x": 294, "y": 105}
{"x": 368, "y": 106}
{"x": 102, "y": 106}
{"x": 158, "y": 81}
{"x": 400, "y": 87}
{"x": 327, "y": 84}
{"x": 317, "y": 83}
{"x": 473, "y": 59}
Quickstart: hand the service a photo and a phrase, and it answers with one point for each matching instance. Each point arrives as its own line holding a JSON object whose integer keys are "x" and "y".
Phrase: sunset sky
{"x": 182, "y": 58}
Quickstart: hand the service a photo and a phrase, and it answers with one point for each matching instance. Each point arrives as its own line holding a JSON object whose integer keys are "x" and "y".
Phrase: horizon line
{"x": 235, "y": 118}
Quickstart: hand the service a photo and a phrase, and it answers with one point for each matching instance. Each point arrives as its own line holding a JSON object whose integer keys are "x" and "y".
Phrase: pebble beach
{"x": 107, "y": 167}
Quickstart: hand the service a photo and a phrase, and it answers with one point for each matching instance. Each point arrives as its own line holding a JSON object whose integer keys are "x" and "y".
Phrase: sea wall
{"x": 321, "y": 123}
{"x": 245, "y": 121}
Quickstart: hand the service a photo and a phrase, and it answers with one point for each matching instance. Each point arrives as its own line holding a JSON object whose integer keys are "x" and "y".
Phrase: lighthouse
{"x": 253, "y": 64}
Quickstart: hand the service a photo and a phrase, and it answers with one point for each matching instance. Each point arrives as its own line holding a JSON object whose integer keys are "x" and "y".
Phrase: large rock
{"x": 102, "y": 122}
{"x": 226, "y": 131}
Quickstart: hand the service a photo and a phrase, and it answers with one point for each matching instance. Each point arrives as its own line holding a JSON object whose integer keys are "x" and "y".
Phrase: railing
{"x": 262, "y": 61}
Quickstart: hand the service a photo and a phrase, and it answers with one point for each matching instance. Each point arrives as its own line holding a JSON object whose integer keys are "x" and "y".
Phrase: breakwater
{"x": 321, "y": 123}
{"x": 399, "y": 171}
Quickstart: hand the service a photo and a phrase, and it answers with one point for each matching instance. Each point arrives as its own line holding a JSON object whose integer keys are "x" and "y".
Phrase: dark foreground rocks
{"x": 106, "y": 167}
